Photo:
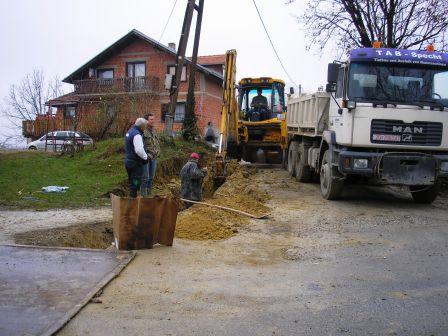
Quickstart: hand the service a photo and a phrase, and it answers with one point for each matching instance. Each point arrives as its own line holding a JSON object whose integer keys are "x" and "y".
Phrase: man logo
{"x": 407, "y": 129}
{"x": 406, "y": 137}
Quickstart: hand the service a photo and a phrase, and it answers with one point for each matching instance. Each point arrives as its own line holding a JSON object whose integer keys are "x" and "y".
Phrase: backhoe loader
{"x": 253, "y": 125}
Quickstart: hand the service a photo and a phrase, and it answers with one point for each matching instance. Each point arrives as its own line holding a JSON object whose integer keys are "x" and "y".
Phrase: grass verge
{"x": 90, "y": 175}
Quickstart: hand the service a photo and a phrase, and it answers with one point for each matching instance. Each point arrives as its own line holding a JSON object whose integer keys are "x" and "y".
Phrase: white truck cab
{"x": 385, "y": 121}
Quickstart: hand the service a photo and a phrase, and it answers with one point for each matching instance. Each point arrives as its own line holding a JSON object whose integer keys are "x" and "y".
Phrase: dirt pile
{"x": 240, "y": 192}
{"x": 95, "y": 235}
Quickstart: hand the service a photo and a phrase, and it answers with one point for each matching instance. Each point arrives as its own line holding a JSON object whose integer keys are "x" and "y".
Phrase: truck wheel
{"x": 303, "y": 172}
{"x": 292, "y": 154}
{"x": 284, "y": 160}
{"x": 425, "y": 195}
{"x": 330, "y": 187}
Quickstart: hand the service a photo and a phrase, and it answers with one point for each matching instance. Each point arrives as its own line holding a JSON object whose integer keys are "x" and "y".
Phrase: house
{"x": 126, "y": 81}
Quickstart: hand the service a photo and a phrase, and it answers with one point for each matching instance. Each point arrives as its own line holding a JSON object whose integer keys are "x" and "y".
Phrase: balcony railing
{"x": 117, "y": 85}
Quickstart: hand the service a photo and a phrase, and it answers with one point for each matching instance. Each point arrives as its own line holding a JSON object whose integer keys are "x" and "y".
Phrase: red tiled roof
{"x": 212, "y": 59}
{"x": 67, "y": 99}
{"x": 126, "y": 40}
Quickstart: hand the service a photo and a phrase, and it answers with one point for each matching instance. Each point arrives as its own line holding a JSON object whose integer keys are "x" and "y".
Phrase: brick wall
{"x": 208, "y": 91}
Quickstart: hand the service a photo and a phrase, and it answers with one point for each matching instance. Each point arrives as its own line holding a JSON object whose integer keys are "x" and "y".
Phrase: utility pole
{"x": 190, "y": 125}
{"x": 180, "y": 60}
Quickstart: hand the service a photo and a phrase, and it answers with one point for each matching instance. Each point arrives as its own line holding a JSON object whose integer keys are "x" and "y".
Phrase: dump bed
{"x": 308, "y": 114}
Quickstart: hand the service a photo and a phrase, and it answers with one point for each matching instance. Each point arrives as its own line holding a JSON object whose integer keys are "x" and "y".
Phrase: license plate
{"x": 386, "y": 137}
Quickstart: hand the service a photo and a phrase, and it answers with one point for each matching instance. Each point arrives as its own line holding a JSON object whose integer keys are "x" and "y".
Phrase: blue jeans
{"x": 149, "y": 171}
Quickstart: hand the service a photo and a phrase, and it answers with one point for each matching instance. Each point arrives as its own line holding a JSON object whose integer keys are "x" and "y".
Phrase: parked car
{"x": 61, "y": 140}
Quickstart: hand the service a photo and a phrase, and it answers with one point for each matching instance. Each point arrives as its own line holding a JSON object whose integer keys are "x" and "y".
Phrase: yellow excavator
{"x": 253, "y": 123}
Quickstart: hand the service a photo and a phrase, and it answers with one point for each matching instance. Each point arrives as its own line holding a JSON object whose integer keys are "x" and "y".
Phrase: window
{"x": 279, "y": 100}
{"x": 111, "y": 111}
{"x": 340, "y": 83}
{"x": 136, "y": 69}
{"x": 398, "y": 84}
{"x": 179, "y": 114}
{"x": 61, "y": 135}
{"x": 183, "y": 76}
{"x": 105, "y": 73}
{"x": 249, "y": 94}
{"x": 440, "y": 87}
{"x": 70, "y": 112}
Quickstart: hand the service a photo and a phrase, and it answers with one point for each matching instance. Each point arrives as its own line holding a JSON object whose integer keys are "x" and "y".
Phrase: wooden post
{"x": 180, "y": 58}
{"x": 189, "y": 109}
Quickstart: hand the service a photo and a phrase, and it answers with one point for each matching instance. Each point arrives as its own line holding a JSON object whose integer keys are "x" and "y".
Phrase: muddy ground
{"x": 199, "y": 222}
{"x": 373, "y": 263}
{"x": 24, "y": 222}
{"x": 91, "y": 235}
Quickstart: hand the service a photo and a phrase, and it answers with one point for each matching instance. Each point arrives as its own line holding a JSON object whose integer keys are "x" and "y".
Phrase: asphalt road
{"x": 374, "y": 263}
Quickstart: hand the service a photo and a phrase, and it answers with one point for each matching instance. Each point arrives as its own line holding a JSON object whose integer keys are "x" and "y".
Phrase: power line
{"x": 168, "y": 20}
{"x": 273, "y": 47}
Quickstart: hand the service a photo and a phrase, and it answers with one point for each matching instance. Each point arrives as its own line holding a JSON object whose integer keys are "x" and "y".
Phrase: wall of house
{"x": 208, "y": 92}
{"x": 218, "y": 68}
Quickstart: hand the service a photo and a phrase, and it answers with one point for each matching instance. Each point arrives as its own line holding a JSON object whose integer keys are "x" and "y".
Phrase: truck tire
{"x": 425, "y": 195}
{"x": 284, "y": 159}
{"x": 330, "y": 187}
{"x": 292, "y": 154}
{"x": 303, "y": 172}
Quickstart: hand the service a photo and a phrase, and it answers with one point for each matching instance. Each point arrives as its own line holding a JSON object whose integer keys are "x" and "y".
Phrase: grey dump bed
{"x": 308, "y": 114}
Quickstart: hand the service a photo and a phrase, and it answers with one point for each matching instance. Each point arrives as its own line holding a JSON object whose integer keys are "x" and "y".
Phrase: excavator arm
{"x": 229, "y": 116}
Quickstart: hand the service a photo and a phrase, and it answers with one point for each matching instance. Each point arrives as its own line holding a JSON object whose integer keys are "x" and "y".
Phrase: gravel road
{"x": 373, "y": 263}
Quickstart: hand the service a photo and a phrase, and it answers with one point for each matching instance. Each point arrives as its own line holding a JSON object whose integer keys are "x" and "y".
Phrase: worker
{"x": 191, "y": 180}
{"x": 259, "y": 101}
{"x": 152, "y": 147}
{"x": 136, "y": 156}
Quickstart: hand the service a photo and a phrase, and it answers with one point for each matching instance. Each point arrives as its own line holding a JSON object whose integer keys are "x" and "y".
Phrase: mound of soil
{"x": 240, "y": 192}
{"x": 96, "y": 236}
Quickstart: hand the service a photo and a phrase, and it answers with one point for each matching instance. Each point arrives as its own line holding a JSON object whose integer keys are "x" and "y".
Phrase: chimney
{"x": 172, "y": 46}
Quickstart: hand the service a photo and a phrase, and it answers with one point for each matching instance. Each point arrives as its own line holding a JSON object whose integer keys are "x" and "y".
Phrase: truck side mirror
{"x": 333, "y": 72}
{"x": 330, "y": 87}
{"x": 291, "y": 90}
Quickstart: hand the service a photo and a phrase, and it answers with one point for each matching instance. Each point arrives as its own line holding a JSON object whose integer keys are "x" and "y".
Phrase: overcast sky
{"x": 59, "y": 36}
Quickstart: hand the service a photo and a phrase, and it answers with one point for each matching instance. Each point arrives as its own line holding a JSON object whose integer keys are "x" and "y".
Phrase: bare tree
{"x": 358, "y": 23}
{"x": 26, "y": 100}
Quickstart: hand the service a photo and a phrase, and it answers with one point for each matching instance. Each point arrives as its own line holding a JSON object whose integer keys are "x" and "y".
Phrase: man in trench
{"x": 191, "y": 180}
{"x": 136, "y": 156}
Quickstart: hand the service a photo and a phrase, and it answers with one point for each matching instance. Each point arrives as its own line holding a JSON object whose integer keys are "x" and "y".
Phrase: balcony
{"x": 148, "y": 84}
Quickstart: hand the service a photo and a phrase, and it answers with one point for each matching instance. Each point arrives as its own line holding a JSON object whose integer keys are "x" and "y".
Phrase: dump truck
{"x": 253, "y": 126}
{"x": 382, "y": 120}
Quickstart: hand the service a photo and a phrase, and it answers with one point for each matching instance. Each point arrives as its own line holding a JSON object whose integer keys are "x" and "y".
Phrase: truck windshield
{"x": 398, "y": 84}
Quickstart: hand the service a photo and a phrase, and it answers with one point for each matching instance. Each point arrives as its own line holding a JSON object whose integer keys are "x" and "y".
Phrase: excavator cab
{"x": 261, "y": 103}
{"x": 261, "y": 99}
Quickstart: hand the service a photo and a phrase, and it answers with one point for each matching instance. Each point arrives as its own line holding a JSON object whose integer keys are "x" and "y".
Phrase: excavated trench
{"x": 196, "y": 223}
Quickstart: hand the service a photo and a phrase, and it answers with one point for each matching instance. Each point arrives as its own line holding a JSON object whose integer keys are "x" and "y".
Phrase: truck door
{"x": 341, "y": 119}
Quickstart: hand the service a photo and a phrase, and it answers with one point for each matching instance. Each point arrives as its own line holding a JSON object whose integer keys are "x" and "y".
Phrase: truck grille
{"x": 421, "y": 133}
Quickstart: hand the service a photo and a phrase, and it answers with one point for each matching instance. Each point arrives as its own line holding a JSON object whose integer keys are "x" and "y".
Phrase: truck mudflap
{"x": 394, "y": 168}
{"x": 408, "y": 170}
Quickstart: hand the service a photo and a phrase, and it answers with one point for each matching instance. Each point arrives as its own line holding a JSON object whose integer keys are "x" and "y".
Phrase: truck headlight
{"x": 351, "y": 104}
{"x": 444, "y": 166}
{"x": 360, "y": 163}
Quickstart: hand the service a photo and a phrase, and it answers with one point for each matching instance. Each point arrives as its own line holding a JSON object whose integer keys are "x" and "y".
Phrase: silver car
{"x": 61, "y": 139}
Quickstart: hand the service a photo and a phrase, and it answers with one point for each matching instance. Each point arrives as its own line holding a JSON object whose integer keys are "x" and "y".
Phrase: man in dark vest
{"x": 191, "y": 180}
{"x": 136, "y": 156}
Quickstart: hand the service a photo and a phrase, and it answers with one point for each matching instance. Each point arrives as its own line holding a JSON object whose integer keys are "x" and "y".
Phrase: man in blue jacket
{"x": 136, "y": 156}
